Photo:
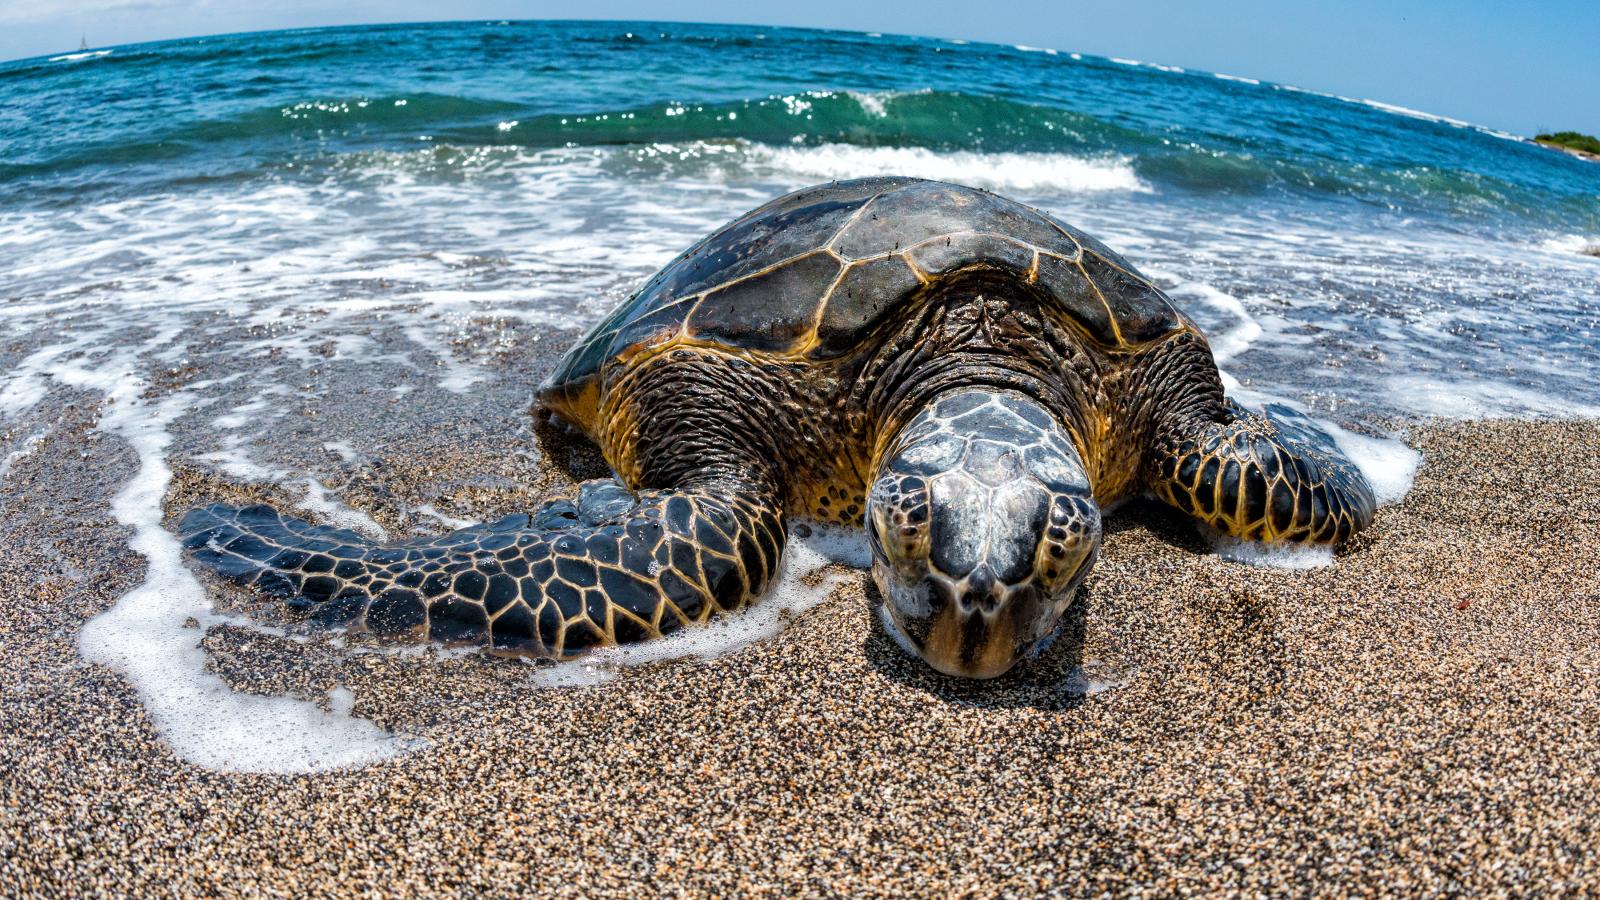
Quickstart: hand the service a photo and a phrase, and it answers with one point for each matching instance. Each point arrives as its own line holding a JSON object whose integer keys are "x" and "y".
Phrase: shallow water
{"x": 401, "y": 217}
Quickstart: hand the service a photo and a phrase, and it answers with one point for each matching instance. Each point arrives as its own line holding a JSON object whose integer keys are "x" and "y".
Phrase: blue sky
{"x": 1517, "y": 66}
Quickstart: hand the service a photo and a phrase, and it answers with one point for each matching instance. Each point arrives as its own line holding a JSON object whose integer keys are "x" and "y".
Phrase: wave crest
{"x": 999, "y": 171}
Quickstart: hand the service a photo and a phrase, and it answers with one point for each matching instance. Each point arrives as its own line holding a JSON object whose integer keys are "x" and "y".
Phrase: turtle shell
{"x": 814, "y": 272}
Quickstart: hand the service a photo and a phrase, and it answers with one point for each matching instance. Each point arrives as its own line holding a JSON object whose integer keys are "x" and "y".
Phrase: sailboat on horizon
{"x": 83, "y": 52}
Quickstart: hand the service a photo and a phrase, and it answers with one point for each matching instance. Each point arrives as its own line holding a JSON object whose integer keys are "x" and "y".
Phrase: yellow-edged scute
{"x": 813, "y": 273}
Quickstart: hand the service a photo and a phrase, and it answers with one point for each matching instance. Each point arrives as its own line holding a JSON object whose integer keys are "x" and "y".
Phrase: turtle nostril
{"x": 983, "y": 591}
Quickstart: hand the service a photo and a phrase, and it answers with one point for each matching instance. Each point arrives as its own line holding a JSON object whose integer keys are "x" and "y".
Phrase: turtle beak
{"x": 977, "y": 628}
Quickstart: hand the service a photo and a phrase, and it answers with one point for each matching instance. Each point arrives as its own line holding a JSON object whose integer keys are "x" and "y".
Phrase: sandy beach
{"x": 1419, "y": 717}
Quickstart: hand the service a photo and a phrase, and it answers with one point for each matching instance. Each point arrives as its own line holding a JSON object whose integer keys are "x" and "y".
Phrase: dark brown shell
{"x": 815, "y": 272}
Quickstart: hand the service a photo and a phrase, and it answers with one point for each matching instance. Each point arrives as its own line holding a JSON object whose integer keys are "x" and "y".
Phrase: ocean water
{"x": 1343, "y": 253}
{"x": 226, "y": 242}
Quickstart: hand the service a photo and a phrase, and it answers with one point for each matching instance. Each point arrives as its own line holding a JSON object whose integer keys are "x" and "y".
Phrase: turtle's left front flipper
{"x": 611, "y": 568}
{"x": 1269, "y": 476}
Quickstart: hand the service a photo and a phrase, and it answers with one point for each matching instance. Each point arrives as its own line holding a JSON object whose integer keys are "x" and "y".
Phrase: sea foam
{"x": 143, "y": 635}
{"x": 999, "y": 171}
{"x": 1270, "y": 556}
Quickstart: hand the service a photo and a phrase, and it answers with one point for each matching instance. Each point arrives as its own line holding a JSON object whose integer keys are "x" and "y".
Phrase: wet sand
{"x": 1422, "y": 716}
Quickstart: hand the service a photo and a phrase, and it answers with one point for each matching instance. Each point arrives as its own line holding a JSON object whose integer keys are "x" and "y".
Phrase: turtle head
{"x": 982, "y": 523}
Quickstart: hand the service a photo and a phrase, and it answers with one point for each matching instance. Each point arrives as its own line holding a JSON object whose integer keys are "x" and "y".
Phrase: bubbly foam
{"x": 448, "y": 521}
{"x": 1585, "y": 244}
{"x": 143, "y": 637}
{"x": 1095, "y": 676}
{"x": 29, "y": 444}
{"x": 802, "y": 585}
{"x": 319, "y": 500}
{"x": 1271, "y": 556}
{"x": 1245, "y": 329}
{"x": 1389, "y": 466}
{"x": 998, "y": 171}
{"x": 1489, "y": 399}
{"x": 315, "y": 497}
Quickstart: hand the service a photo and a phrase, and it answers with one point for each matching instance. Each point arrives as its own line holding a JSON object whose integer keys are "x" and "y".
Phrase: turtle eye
{"x": 1070, "y": 543}
{"x": 898, "y": 515}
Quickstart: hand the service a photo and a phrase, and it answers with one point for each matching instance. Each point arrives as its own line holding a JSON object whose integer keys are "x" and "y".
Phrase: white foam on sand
{"x": 1389, "y": 465}
{"x": 29, "y": 444}
{"x": 318, "y": 499}
{"x": 343, "y": 450}
{"x": 1271, "y": 556}
{"x": 1463, "y": 399}
{"x": 1096, "y": 677}
{"x": 443, "y": 518}
{"x": 801, "y": 586}
{"x": 142, "y": 636}
{"x": 234, "y": 459}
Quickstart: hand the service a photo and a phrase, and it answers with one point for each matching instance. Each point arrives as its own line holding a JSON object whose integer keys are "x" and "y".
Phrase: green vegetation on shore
{"x": 1586, "y": 142}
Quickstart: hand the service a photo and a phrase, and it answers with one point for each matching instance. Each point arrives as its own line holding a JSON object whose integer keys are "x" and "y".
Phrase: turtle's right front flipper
{"x": 1269, "y": 476}
{"x": 609, "y": 569}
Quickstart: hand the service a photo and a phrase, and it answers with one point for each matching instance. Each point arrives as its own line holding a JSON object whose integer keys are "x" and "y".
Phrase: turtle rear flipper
{"x": 1269, "y": 476}
{"x": 568, "y": 577}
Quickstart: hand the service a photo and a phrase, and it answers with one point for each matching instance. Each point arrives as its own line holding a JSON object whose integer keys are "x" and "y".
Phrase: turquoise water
{"x": 1347, "y": 256}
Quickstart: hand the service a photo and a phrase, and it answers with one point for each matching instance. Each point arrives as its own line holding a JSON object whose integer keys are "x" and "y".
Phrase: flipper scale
{"x": 550, "y": 584}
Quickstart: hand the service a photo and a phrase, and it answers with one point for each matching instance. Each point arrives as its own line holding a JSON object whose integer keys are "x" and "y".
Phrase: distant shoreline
{"x": 1571, "y": 151}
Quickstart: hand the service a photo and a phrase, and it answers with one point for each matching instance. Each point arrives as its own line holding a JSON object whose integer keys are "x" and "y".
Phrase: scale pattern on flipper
{"x": 1264, "y": 477}
{"x": 553, "y": 584}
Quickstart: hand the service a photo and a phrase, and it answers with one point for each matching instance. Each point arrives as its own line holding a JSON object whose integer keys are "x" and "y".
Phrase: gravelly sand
{"x": 1423, "y": 716}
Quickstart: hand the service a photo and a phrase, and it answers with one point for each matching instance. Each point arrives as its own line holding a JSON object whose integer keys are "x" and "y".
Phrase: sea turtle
{"x": 968, "y": 377}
